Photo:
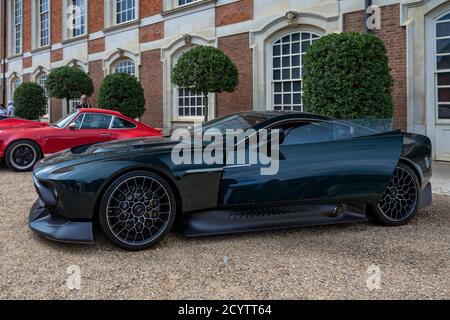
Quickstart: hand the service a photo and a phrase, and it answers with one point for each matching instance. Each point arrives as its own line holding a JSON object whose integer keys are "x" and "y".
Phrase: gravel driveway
{"x": 308, "y": 263}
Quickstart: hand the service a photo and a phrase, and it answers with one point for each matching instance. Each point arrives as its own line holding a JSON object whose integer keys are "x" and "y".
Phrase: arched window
{"x": 443, "y": 66}
{"x": 126, "y": 66}
{"x": 15, "y": 83}
{"x": 41, "y": 79}
{"x": 287, "y": 70}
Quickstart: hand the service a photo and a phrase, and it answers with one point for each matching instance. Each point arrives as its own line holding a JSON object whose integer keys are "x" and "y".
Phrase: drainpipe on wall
{"x": 367, "y": 4}
{"x": 4, "y": 52}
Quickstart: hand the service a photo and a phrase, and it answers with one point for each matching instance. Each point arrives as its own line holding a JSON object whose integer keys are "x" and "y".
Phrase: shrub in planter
{"x": 68, "y": 83}
{"x": 346, "y": 76}
{"x": 30, "y": 101}
{"x": 123, "y": 93}
{"x": 205, "y": 69}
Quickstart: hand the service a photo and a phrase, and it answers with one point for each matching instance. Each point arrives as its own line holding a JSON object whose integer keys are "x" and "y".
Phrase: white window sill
{"x": 80, "y": 38}
{"x": 125, "y": 25}
{"x": 39, "y": 49}
{"x": 189, "y": 8}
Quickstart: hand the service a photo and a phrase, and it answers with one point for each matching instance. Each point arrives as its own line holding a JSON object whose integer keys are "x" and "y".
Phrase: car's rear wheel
{"x": 21, "y": 156}
{"x": 137, "y": 210}
{"x": 400, "y": 200}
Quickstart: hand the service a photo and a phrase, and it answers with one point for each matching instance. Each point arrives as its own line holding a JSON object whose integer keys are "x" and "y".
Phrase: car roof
{"x": 285, "y": 114}
{"x": 104, "y": 111}
{"x": 269, "y": 117}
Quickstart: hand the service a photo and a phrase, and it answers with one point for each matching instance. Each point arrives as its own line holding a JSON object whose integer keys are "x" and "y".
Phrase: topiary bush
{"x": 68, "y": 83}
{"x": 205, "y": 69}
{"x": 123, "y": 93}
{"x": 30, "y": 101}
{"x": 346, "y": 76}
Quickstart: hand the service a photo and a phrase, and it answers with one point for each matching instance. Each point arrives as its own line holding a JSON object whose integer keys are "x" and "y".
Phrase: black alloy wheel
{"x": 400, "y": 200}
{"x": 137, "y": 210}
{"x": 21, "y": 156}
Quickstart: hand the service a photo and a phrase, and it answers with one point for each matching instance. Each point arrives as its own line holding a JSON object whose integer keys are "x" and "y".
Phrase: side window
{"x": 308, "y": 132}
{"x": 320, "y": 131}
{"x": 120, "y": 123}
{"x": 96, "y": 121}
{"x": 78, "y": 121}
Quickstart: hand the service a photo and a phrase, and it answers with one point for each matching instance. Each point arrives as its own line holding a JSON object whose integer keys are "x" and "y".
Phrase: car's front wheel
{"x": 137, "y": 210}
{"x": 400, "y": 201}
{"x": 21, "y": 156}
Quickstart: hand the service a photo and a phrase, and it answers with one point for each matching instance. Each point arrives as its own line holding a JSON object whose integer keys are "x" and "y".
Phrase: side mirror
{"x": 72, "y": 126}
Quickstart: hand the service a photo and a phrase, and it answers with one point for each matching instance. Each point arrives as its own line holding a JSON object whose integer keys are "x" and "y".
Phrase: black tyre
{"x": 400, "y": 201}
{"x": 137, "y": 210}
{"x": 22, "y": 155}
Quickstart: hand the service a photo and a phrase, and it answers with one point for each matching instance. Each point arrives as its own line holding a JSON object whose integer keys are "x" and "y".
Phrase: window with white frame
{"x": 190, "y": 104}
{"x": 125, "y": 11}
{"x": 183, "y": 2}
{"x": 78, "y": 18}
{"x": 73, "y": 104}
{"x": 15, "y": 83}
{"x": 125, "y": 66}
{"x": 443, "y": 66}
{"x": 44, "y": 23}
{"x": 17, "y": 25}
{"x": 41, "y": 80}
{"x": 287, "y": 70}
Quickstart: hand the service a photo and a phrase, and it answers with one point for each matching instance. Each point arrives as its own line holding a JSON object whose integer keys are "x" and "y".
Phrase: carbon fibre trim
{"x": 212, "y": 222}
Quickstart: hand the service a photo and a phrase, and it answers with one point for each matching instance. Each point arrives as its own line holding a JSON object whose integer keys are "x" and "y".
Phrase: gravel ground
{"x": 308, "y": 263}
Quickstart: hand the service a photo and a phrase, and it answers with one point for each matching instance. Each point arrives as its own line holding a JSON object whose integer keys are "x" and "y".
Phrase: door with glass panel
{"x": 442, "y": 86}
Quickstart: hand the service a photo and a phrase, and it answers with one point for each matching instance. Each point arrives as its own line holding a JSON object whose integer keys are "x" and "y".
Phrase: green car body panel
{"x": 352, "y": 171}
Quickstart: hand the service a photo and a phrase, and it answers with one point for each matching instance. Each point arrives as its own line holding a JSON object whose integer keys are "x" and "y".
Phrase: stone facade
{"x": 245, "y": 30}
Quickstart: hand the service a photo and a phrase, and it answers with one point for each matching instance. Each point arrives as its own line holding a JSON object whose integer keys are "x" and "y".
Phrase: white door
{"x": 442, "y": 86}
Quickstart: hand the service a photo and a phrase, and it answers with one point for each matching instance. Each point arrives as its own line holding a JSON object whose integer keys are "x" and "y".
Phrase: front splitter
{"x": 59, "y": 229}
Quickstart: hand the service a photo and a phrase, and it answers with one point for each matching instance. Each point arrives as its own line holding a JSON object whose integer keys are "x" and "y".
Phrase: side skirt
{"x": 216, "y": 221}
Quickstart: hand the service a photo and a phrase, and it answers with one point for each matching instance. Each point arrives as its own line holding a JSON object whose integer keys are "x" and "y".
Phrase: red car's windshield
{"x": 66, "y": 120}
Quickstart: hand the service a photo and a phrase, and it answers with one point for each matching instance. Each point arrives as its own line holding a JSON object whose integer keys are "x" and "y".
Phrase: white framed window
{"x": 73, "y": 104}
{"x": 125, "y": 66}
{"x": 14, "y": 84}
{"x": 125, "y": 11}
{"x": 44, "y": 23}
{"x": 443, "y": 67}
{"x": 184, "y": 2}
{"x": 17, "y": 26}
{"x": 189, "y": 103}
{"x": 285, "y": 70}
{"x": 41, "y": 80}
{"x": 78, "y": 18}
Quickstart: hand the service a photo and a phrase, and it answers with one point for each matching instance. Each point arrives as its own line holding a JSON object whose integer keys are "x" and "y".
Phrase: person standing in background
{"x": 10, "y": 111}
{"x": 84, "y": 103}
{"x": 2, "y": 110}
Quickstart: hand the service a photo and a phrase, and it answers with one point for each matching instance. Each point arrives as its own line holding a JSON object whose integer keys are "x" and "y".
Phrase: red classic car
{"x": 22, "y": 148}
{"x": 17, "y": 123}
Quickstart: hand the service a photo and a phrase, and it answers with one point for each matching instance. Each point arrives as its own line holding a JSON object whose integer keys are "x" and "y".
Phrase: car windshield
{"x": 65, "y": 121}
{"x": 235, "y": 121}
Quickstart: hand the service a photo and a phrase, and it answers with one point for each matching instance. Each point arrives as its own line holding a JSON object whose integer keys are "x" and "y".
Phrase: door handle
{"x": 106, "y": 135}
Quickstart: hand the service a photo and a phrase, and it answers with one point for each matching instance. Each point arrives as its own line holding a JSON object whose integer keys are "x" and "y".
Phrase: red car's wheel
{"x": 21, "y": 156}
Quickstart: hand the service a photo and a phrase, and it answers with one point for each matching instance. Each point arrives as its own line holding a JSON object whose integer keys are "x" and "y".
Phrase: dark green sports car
{"x": 328, "y": 172}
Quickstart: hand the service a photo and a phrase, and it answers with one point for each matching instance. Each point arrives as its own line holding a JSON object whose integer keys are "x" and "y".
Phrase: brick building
{"x": 265, "y": 39}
